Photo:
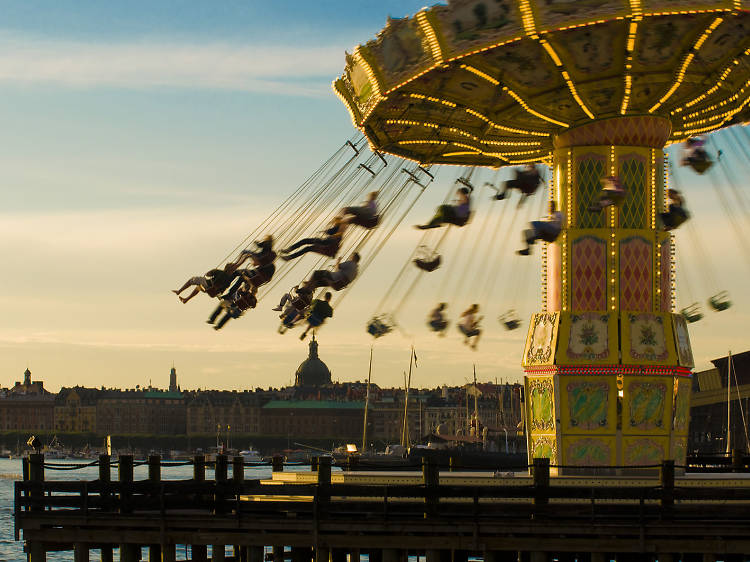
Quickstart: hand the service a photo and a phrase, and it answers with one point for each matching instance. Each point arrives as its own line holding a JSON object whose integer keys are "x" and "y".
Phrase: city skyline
{"x": 143, "y": 142}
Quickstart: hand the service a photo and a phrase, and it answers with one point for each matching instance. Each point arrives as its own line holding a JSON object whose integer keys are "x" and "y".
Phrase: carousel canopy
{"x": 490, "y": 83}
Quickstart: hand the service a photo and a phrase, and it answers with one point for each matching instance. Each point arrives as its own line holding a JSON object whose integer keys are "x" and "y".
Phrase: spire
{"x": 27, "y": 377}
{"x": 313, "y": 348}
{"x": 173, "y": 379}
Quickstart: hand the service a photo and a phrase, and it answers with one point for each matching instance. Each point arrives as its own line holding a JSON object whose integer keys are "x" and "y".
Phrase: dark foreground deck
{"x": 443, "y": 516}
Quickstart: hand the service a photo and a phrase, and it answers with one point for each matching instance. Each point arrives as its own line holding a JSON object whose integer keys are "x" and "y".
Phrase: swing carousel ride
{"x": 581, "y": 97}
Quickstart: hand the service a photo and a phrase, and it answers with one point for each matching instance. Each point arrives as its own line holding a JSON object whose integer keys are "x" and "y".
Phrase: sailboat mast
{"x": 729, "y": 402}
{"x": 405, "y": 431}
{"x": 367, "y": 403}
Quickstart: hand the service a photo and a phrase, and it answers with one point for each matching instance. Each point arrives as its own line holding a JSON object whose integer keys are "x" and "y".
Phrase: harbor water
{"x": 10, "y": 471}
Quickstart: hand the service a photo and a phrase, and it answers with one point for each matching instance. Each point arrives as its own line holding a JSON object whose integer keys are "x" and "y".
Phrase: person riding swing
{"x": 527, "y": 181}
{"x": 437, "y": 321}
{"x": 547, "y": 230}
{"x": 612, "y": 193}
{"x": 457, "y": 214}
{"x": 327, "y": 245}
{"x": 469, "y": 326}
{"x": 676, "y": 213}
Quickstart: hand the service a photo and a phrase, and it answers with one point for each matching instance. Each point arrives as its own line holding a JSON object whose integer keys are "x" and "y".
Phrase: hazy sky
{"x": 143, "y": 140}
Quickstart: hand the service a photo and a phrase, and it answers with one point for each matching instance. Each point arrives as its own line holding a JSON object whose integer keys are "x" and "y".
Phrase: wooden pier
{"x": 441, "y": 515}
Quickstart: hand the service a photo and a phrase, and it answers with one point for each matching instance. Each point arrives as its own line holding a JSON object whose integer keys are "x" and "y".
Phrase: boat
{"x": 251, "y": 455}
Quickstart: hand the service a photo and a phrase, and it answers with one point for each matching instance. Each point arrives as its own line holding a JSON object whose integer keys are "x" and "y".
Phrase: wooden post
{"x": 338, "y": 555}
{"x": 169, "y": 552}
{"x": 130, "y": 552}
{"x": 667, "y": 483}
{"x": 37, "y": 552}
{"x": 217, "y": 551}
{"x": 352, "y": 462}
{"x": 323, "y": 554}
{"x": 278, "y": 553}
{"x": 277, "y": 463}
{"x": 324, "y": 481}
{"x": 238, "y": 469}
{"x": 36, "y": 476}
{"x": 220, "y": 475}
{"x": 154, "y": 477}
{"x": 199, "y": 552}
{"x": 199, "y": 468}
{"x": 255, "y": 554}
{"x": 81, "y": 552}
{"x": 125, "y": 476}
{"x": 541, "y": 481}
{"x": 431, "y": 481}
{"x": 314, "y": 464}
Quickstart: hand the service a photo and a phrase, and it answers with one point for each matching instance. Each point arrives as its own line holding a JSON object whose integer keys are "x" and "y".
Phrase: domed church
{"x": 312, "y": 371}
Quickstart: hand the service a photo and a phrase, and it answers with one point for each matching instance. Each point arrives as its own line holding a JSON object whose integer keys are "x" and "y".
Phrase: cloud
{"x": 298, "y": 70}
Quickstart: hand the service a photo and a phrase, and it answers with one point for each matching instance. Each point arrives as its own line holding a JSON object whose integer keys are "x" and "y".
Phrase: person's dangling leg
{"x": 215, "y": 315}
{"x": 441, "y": 216}
{"x": 191, "y": 295}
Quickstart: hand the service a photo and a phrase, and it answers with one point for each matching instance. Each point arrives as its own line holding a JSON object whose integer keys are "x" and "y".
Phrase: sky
{"x": 142, "y": 140}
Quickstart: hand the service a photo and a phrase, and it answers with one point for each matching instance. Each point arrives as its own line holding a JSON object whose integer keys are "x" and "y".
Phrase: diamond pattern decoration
{"x": 665, "y": 268}
{"x": 589, "y": 274}
{"x": 590, "y": 170}
{"x": 636, "y": 270}
{"x": 633, "y": 178}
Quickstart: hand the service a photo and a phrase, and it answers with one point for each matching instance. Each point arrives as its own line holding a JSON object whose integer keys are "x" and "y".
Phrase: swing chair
{"x": 612, "y": 193}
{"x": 380, "y": 326}
{"x": 697, "y": 157}
{"x": 427, "y": 260}
{"x": 720, "y": 301}
{"x": 692, "y": 313}
{"x": 510, "y": 320}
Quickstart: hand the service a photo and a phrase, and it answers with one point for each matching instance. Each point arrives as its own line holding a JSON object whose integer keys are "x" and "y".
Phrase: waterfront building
{"x": 75, "y": 409}
{"x": 140, "y": 411}
{"x": 711, "y": 400}
{"x": 27, "y": 406}
{"x": 210, "y": 411}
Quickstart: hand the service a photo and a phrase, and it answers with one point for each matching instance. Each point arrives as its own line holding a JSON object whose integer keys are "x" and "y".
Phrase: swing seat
{"x": 378, "y": 328}
{"x": 428, "y": 264}
{"x": 367, "y": 222}
{"x": 340, "y": 284}
{"x": 720, "y": 301}
{"x": 459, "y": 221}
{"x": 692, "y": 313}
{"x": 510, "y": 320}
{"x": 699, "y": 165}
{"x": 436, "y": 326}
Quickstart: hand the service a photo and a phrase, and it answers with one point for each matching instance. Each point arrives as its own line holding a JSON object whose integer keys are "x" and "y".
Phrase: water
{"x": 10, "y": 471}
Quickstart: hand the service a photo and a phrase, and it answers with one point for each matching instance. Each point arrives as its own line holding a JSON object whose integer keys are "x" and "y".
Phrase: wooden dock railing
{"x": 447, "y": 511}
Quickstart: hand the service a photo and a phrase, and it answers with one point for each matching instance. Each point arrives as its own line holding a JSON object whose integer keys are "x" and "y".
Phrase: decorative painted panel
{"x": 587, "y": 338}
{"x": 588, "y": 404}
{"x": 682, "y": 337}
{"x": 681, "y": 405}
{"x": 541, "y": 405}
{"x": 635, "y": 274}
{"x": 589, "y": 170}
{"x": 647, "y": 339}
{"x": 665, "y": 275}
{"x": 543, "y": 447}
{"x": 646, "y": 404}
{"x": 639, "y": 451}
{"x": 399, "y": 50}
{"x": 589, "y": 273}
{"x": 632, "y": 175}
{"x": 541, "y": 339}
{"x": 679, "y": 450}
{"x": 589, "y": 451}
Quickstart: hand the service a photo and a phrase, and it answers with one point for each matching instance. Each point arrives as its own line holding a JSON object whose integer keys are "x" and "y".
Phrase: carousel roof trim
{"x": 391, "y": 80}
